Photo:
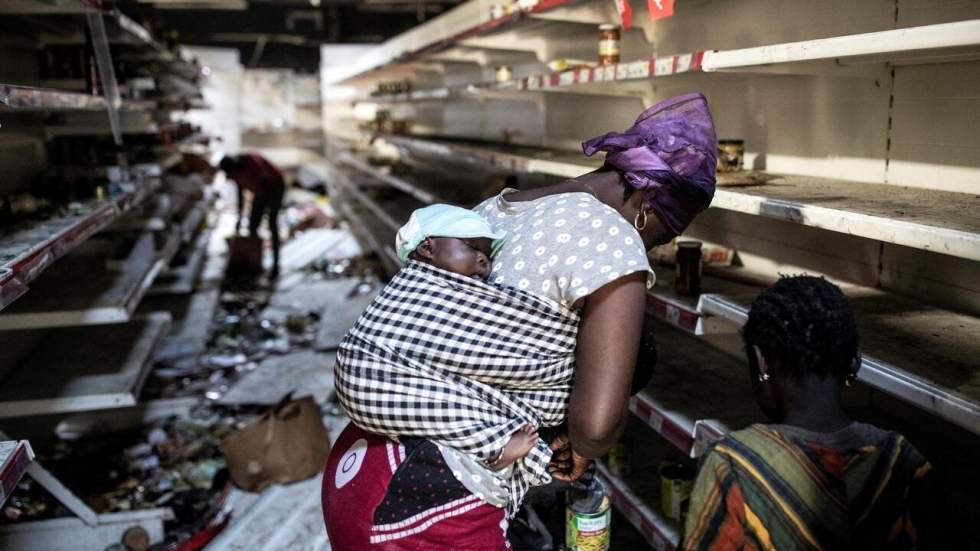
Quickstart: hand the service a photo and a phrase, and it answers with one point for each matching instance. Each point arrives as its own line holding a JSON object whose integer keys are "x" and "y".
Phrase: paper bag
{"x": 287, "y": 443}
{"x": 244, "y": 255}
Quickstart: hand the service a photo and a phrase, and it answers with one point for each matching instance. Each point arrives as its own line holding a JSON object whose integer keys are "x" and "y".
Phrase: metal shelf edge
{"x": 881, "y": 375}
{"x": 160, "y": 324}
{"x": 674, "y": 427}
{"x": 648, "y": 522}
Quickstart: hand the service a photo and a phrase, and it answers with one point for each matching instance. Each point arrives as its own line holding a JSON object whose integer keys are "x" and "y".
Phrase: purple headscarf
{"x": 669, "y": 155}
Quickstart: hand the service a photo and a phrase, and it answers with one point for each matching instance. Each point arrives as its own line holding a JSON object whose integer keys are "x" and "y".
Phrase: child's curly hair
{"x": 806, "y": 324}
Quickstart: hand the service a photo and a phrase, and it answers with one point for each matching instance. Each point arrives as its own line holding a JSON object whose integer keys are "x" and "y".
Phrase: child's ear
{"x": 425, "y": 249}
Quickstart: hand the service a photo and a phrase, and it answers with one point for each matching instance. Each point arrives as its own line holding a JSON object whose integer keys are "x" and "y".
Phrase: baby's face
{"x": 468, "y": 257}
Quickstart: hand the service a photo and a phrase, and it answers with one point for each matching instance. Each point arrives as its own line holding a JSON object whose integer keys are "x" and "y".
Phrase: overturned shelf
{"x": 15, "y": 456}
{"x": 83, "y": 368}
{"x": 926, "y": 356}
{"x": 939, "y": 221}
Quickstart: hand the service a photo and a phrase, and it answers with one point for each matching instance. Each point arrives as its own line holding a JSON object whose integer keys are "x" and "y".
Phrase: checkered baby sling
{"x": 460, "y": 362}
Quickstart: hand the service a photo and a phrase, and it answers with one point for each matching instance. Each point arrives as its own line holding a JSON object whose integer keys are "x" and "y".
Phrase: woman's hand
{"x": 565, "y": 465}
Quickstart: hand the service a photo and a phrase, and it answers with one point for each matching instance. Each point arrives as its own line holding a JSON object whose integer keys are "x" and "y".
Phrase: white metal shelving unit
{"x": 937, "y": 221}
{"x": 26, "y": 253}
{"x": 84, "y": 368}
{"x": 924, "y": 355}
{"x": 56, "y": 360}
{"x": 855, "y": 55}
{"x": 870, "y": 77}
{"x": 109, "y": 296}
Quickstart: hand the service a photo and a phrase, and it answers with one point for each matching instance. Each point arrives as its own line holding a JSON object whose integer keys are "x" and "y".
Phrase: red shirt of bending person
{"x": 265, "y": 182}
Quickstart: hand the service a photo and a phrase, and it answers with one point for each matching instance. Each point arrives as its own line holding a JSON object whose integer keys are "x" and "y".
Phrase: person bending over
{"x": 813, "y": 478}
{"x": 255, "y": 174}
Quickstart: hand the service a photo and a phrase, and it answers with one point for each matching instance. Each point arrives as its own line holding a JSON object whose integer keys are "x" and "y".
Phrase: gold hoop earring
{"x": 636, "y": 221}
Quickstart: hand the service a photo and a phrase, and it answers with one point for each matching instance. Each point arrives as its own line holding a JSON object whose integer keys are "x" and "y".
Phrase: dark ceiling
{"x": 281, "y": 33}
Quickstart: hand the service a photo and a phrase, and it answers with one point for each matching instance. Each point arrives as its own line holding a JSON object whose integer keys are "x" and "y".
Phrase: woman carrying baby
{"x": 578, "y": 247}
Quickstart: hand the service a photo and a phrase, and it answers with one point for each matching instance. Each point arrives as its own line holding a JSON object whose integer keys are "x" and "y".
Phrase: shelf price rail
{"x": 570, "y": 79}
{"x": 848, "y": 55}
{"x": 26, "y": 253}
{"x": 466, "y": 20}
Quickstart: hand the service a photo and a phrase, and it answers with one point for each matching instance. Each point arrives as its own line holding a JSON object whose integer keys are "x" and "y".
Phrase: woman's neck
{"x": 597, "y": 184}
{"x": 815, "y": 404}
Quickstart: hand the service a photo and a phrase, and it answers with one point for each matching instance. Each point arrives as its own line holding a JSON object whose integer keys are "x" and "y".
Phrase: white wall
{"x": 222, "y": 93}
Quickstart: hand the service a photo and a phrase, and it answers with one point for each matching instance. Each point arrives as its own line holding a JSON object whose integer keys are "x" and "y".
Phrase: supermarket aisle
{"x": 320, "y": 303}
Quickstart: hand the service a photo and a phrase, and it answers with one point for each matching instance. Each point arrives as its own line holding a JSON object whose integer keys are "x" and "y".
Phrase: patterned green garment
{"x": 780, "y": 487}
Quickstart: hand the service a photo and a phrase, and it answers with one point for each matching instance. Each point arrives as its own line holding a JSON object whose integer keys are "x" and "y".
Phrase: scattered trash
{"x": 136, "y": 539}
{"x": 296, "y": 323}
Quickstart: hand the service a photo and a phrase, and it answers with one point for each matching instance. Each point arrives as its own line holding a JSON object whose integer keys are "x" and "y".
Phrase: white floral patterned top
{"x": 563, "y": 247}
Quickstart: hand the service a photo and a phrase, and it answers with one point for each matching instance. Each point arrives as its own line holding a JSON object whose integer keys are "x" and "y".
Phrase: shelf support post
{"x": 107, "y": 73}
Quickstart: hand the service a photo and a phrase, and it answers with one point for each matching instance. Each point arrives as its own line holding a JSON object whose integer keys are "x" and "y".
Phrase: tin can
{"x": 608, "y": 44}
{"x": 688, "y": 277}
{"x": 730, "y": 155}
{"x": 588, "y": 531}
{"x": 619, "y": 458}
{"x": 676, "y": 484}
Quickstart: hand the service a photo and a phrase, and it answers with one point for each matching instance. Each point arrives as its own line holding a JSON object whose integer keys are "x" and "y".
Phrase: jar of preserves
{"x": 730, "y": 155}
{"x": 608, "y": 44}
